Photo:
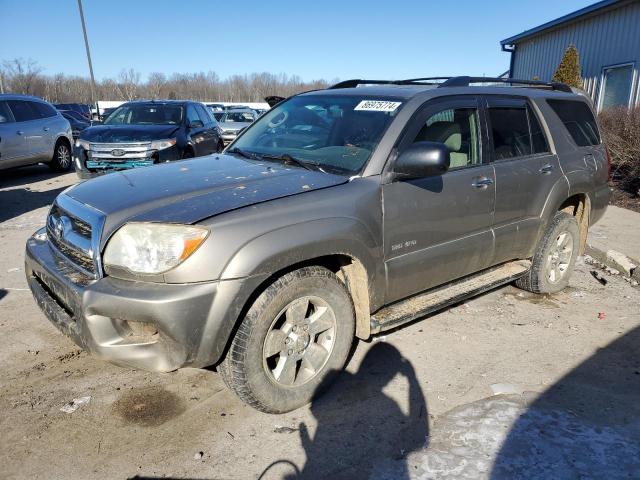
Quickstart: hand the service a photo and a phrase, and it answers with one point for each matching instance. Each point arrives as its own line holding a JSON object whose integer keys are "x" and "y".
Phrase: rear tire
{"x": 554, "y": 258}
{"x": 61, "y": 160}
{"x": 293, "y": 340}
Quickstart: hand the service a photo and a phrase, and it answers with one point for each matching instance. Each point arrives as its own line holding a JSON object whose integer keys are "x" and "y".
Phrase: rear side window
{"x": 578, "y": 119}
{"x": 538, "y": 139}
{"x": 22, "y": 110}
{"x": 510, "y": 131}
{"x": 5, "y": 113}
{"x": 44, "y": 109}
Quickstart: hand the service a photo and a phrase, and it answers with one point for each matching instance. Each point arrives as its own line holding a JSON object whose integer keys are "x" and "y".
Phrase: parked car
{"x": 340, "y": 213}
{"x": 233, "y": 121}
{"x": 82, "y": 109}
{"x": 77, "y": 122}
{"x": 33, "y": 131}
{"x": 144, "y": 133}
{"x": 106, "y": 112}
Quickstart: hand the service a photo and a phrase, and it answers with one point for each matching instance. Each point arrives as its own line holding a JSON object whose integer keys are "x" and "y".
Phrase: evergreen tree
{"x": 569, "y": 69}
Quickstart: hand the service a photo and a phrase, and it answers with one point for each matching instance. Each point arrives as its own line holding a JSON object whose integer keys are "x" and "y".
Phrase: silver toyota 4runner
{"x": 339, "y": 213}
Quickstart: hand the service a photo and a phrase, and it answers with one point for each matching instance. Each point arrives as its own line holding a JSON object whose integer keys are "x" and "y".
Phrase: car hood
{"x": 127, "y": 133}
{"x": 192, "y": 190}
{"x": 234, "y": 125}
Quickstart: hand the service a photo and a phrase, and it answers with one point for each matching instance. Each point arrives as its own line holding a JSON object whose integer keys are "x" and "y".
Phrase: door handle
{"x": 20, "y": 132}
{"x": 546, "y": 168}
{"x": 46, "y": 129}
{"x": 482, "y": 182}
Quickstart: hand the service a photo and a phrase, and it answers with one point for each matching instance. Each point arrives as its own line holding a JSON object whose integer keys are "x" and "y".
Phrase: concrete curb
{"x": 616, "y": 260}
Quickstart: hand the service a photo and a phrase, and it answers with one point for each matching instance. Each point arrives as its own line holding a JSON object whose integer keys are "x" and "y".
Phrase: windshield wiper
{"x": 245, "y": 154}
{"x": 288, "y": 159}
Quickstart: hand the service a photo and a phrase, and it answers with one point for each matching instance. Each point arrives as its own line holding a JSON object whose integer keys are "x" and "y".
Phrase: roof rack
{"x": 466, "y": 81}
{"x": 462, "y": 81}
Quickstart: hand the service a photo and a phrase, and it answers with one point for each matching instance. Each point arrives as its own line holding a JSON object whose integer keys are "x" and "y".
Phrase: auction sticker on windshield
{"x": 377, "y": 106}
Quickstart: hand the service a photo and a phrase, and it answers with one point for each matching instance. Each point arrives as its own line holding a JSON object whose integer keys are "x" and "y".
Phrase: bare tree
{"x": 25, "y": 76}
{"x": 22, "y": 75}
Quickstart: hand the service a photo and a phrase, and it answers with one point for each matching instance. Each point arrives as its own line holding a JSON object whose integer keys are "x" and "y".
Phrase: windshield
{"x": 243, "y": 117}
{"x": 336, "y": 133}
{"x": 146, "y": 114}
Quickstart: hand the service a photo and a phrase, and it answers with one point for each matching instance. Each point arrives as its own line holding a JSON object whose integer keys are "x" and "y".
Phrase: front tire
{"x": 295, "y": 337}
{"x": 61, "y": 160}
{"x": 555, "y": 256}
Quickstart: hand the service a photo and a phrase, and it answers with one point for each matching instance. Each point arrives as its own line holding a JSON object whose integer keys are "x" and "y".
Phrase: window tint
{"x": 5, "y": 113}
{"x": 510, "y": 131}
{"x": 44, "y": 109}
{"x": 458, "y": 130}
{"x": 22, "y": 110}
{"x": 538, "y": 140}
{"x": 192, "y": 114}
{"x": 204, "y": 116}
{"x": 578, "y": 119}
{"x": 616, "y": 89}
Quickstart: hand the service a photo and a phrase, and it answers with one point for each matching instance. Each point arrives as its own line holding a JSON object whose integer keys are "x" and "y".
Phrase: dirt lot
{"x": 418, "y": 402}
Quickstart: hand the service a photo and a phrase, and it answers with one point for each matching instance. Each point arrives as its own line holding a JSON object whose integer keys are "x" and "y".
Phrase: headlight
{"x": 82, "y": 143}
{"x": 151, "y": 248}
{"x": 162, "y": 144}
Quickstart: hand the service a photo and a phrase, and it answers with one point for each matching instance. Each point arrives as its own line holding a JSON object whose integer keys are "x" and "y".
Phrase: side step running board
{"x": 424, "y": 303}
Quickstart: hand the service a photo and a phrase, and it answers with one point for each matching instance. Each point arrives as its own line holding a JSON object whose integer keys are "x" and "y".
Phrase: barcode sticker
{"x": 377, "y": 106}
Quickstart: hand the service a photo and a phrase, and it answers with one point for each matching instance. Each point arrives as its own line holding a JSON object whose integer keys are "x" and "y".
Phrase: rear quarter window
{"x": 44, "y": 109}
{"x": 579, "y": 121}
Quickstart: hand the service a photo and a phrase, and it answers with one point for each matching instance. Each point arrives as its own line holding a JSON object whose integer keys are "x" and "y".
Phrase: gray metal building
{"x": 607, "y": 36}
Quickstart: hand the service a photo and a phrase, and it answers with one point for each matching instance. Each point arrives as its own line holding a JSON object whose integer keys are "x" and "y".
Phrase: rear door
{"x": 525, "y": 172}
{"x": 437, "y": 229}
{"x": 29, "y": 123}
{"x": 49, "y": 121}
{"x": 13, "y": 147}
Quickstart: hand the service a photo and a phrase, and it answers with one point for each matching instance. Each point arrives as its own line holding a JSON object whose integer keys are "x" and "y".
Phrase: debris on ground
{"x": 74, "y": 404}
{"x": 198, "y": 455}
{"x": 598, "y": 277}
{"x": 601, "y": 315}
{"x": 284, "y": 430}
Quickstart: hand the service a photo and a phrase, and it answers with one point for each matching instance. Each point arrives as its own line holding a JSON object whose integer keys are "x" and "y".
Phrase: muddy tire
{"x": 61, "y": 160}
{"x": 554, "y": 258}
{"x": 293, "y": 341}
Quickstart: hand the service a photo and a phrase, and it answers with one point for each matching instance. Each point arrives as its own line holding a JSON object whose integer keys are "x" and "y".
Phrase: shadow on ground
{"x": 587, "y": 425}
{"x": 375, "y": 438}
{"x": 21, "y": 200}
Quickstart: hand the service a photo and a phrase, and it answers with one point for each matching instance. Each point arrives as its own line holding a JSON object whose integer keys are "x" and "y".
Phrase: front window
{"x": 242, "y": 117}
{"x": 146, "y": 114}
{"x": 333, "y": 132}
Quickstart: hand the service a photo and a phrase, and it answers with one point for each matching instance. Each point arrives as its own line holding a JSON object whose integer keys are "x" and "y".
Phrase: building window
{"x": 616, "y": 86}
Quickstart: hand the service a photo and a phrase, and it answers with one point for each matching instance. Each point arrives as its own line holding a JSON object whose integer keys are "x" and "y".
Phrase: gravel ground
{"x": 506, "y": 385}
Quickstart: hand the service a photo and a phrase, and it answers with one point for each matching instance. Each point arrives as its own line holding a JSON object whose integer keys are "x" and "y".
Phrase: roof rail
{"x": 355, "y": 82}
{"x": 466, "y": 81}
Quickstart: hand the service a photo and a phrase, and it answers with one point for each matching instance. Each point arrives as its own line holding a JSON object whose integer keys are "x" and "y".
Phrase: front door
{"x": 438, "y": 228}
{"x": 13, "y": 147}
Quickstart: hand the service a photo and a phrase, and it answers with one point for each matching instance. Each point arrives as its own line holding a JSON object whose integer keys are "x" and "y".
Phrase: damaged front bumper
{"x": 149, "y": 326}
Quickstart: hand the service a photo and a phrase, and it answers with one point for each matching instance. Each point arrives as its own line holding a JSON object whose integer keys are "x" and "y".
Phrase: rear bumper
{"x": 148, "y": 326}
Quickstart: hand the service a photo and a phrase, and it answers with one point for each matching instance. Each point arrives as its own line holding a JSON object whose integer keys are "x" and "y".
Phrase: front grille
{"x": 81, "y": 259}
{"x": 72, "y": 237}
{"x": 102, "y": 156}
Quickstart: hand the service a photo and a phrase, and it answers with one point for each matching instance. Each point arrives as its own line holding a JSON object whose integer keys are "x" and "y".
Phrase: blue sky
{"x": 320, "y": 39}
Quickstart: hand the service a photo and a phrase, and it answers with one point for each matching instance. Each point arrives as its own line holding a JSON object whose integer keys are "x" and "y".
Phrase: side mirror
{"x": 422, "y": 159}
{"x": 196, "y": 124}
